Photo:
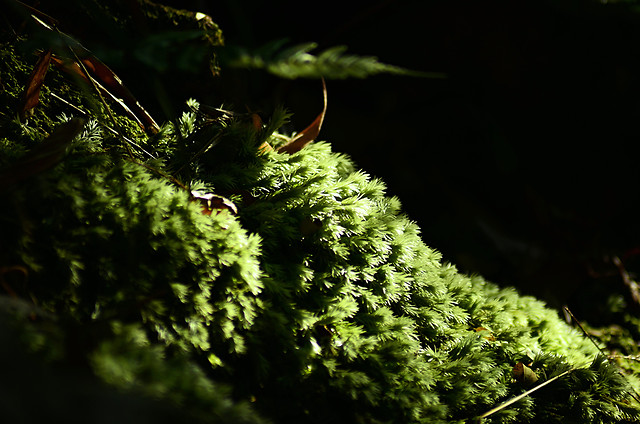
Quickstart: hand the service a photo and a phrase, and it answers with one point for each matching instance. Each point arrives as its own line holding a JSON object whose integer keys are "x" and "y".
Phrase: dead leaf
{"x": 89, "y": 68}
{"x": 489, "y": 336}
{"x": 256, "y": 121}
{"x": 524, "y": 375}
{"x": 31, "y": 95}
{"x": 310, "y": 133}
{"x": 122, "y": 96}
{"x": 117, "y": 89}
{"x": 212, "y": 202}
{"x": 264, "y": 148}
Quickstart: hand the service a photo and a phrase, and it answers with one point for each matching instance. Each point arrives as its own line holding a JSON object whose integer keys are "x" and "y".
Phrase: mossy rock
{"x": 309, "y": 297}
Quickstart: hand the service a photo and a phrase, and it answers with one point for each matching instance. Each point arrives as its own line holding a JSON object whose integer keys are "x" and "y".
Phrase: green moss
{"x": 318, "y": 301}
{"x": 319, "y": 292}
{"x": 357, "y": 301}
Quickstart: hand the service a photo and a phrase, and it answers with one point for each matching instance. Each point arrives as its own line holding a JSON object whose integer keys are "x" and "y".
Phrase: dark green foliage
{"x": 129, "y": 380}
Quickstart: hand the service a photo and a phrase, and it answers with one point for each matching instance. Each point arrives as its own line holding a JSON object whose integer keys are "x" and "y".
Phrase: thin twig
{"x": 97, "y": 90}
{"x": 72, "y": 106}
{"x": 520, "y": 396}
{"x": 635, "y": 395}
{"x": 108, "y": 128}
{"x": 171, "y": 178}
{"x": 591, "y": 339}
{"x": 626, "y": 278}
{"x": 213, "y": 142}
{"x": 628, "y": 357}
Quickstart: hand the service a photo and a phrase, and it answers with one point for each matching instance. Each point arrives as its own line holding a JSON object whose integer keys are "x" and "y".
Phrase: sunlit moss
{"x": 310, "y": 298}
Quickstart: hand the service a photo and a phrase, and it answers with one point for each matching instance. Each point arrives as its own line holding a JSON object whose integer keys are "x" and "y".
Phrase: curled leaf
{"x": 310, "y": 133}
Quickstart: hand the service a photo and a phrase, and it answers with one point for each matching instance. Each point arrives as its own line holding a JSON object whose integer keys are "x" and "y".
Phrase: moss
{"x": 309, "y": 297}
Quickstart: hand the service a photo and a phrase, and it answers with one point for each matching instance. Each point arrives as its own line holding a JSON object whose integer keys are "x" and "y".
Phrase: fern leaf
{"x": 332, "y": 63}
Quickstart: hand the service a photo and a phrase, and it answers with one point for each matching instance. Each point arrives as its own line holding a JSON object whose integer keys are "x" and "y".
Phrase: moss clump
{"x": 317, "y": 301}
{"x": 309, "y": 297}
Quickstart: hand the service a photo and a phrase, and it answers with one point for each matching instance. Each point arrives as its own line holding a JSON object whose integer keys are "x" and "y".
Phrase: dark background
{"x": 521, "y": 165}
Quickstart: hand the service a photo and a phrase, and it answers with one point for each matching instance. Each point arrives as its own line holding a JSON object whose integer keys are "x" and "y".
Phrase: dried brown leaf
{"x": 487, "y": 334}
{"x": 524, "y": 375}
{"x": 117, "y": 89}
{"x": 89, "y": 68}
{"x": 212, "y": 202}
{"x": 310, "y": 133}
{"x": 31, "y": 95}
{"x": 100, "y": 74}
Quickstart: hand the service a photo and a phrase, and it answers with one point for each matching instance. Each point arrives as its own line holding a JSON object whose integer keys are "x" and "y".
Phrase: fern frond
{"x": 332, "y": 63}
